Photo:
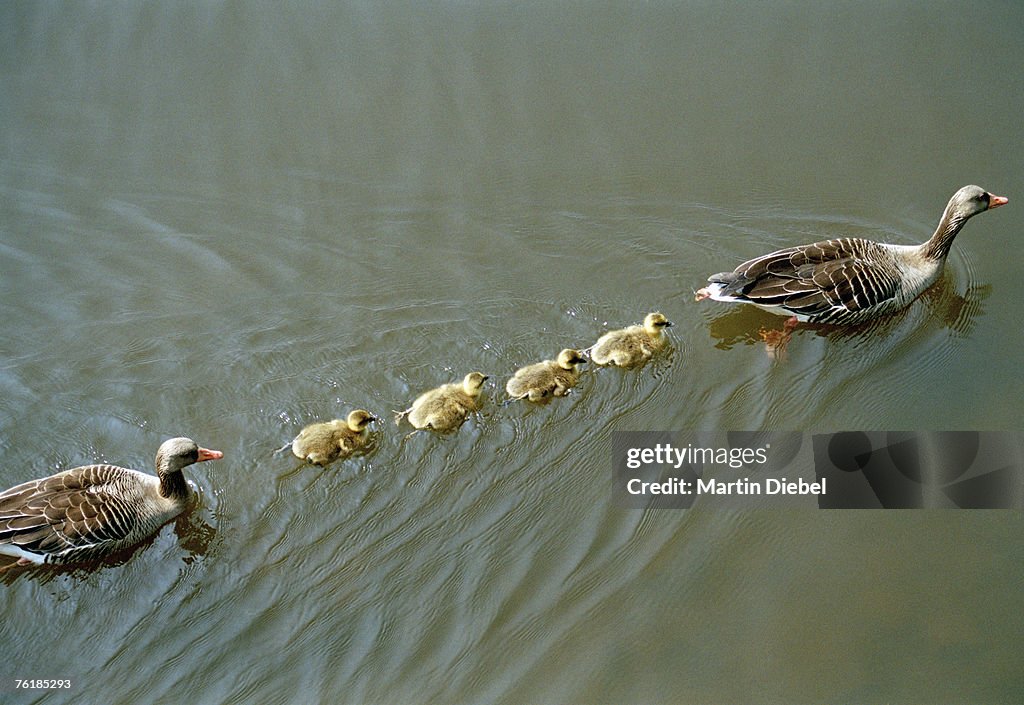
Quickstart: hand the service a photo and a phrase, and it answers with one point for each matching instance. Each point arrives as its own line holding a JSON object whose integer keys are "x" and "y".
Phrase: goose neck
{"x": 938, "y": 245}
{"x": 173, "y": 485}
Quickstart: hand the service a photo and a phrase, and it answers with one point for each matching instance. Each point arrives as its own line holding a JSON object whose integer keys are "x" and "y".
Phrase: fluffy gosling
{"x": 631, "y": 346}
{"x": 444, "y": 408}
{"x": 323, "y": 443}
{"x": 550, "y": 378}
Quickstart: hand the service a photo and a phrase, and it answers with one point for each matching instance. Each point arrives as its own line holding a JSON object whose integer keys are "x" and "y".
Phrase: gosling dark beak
{"x": 995, "y": 201}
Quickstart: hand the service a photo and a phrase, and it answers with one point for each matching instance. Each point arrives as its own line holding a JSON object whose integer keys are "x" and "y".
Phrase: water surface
{"x": 227, "y": 221}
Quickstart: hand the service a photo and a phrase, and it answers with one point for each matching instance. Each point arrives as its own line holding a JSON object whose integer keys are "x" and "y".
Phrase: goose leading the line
{"x": 94, "y": 510}
{"x": 848, "y": 280}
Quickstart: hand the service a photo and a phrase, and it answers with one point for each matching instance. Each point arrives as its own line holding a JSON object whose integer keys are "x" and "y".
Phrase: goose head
{"x": 965, "y": 203}
{"x": 971, "y": 200}
{"x": 655, "y": 323}
{"x": 359, "y": 420}
{"x": 473, "y": 383}
{"x": 568, "y": 359}
{"x": 178, "y": 453}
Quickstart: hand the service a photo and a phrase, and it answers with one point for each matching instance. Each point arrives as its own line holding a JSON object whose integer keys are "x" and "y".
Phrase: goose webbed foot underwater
{"x": 775, "y": 341}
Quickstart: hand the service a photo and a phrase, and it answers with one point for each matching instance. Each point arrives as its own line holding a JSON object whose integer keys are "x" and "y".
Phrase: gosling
{"x": 550, "y": 378}
{"x": 631, "y": 346}
{"x": 323, "y": 443}
{"x": 444, "y": 408}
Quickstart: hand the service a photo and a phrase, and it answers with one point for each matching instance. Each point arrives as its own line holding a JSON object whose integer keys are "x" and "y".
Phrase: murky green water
{"x": 227, "y": 221}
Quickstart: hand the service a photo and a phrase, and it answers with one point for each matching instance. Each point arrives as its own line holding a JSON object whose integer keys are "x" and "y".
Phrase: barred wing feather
{"x": 67, "y": 512}
{"x": 840, "y": 276}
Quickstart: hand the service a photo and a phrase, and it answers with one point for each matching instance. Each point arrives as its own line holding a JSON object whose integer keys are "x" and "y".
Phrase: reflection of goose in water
{"x": 323, "y": 443}
{"x": 859, "y": 374}
{"x": 446, "y": 407}
{"x": 547, "y": 379}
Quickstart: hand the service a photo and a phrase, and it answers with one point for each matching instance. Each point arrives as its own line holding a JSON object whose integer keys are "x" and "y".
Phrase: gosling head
{"x": 569, "y": 358}
{"x": 473, "y": 383}
{"x": 655, "y": 324}
{"x": 359, "y": 420}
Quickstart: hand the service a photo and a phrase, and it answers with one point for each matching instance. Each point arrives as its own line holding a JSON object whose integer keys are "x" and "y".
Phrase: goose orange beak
{"x": 207, "y": 454}
{"x": 995, "y": 201}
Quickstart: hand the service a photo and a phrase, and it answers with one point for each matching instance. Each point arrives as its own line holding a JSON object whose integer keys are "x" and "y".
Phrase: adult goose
{"x": 94, "y": 510}
{"x": 848, "y": 280}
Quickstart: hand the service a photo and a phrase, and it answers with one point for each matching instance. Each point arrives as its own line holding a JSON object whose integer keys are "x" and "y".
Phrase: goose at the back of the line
{"x": 848, "y": 280}
{"x": 94, "y": 510}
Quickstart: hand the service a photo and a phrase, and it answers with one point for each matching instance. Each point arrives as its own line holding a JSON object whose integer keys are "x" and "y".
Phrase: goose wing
{"x": 74, "y": 510}
{"x": 847, "y": 275}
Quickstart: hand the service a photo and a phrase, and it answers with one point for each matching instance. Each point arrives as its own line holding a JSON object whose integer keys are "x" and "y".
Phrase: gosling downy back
{"x": 633, "y": 345}
{"x": 324, "y": 443}
{"x": 445, "y": 408}
{"x": 546, "y": 379}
